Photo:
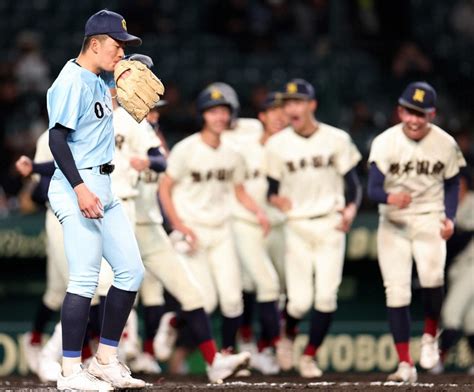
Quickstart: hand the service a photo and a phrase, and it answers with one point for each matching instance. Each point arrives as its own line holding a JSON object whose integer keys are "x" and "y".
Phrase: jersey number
{"x": 99, "y": 110}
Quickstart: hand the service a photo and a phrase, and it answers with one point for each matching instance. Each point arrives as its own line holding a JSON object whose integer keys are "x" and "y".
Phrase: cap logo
{"x": 124, "y": 24}
{"x": 291, "y": 88}
{"x": 216, "y": 94}
{"x": 419, "y": 95}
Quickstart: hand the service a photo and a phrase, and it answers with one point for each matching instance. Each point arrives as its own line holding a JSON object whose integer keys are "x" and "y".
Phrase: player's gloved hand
{"x": 143, "y": 58}
{"x": 139, "y": 164}
{"x": 24, "y": 166}
{"x": 189, "y": 235}
{"x": 280, "y": 202}
{"x": 401, "y": 199}
{"x": 89, "y": 204}
{"x": 447, "y": 229}
{"x": 263, "y": 221}
{"x": 348, "y": 213}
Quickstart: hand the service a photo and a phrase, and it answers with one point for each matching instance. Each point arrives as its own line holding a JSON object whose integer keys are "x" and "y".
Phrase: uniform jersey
{"x": 416, "y": 167}
{"x": 311, "y": 170}
{"x": 147, "y": 209}
{"x": 205, "y": 178}
{"x": 245, "y": 130}
{"x": 124, "y": 177}
{"x": 80, "y": 100}
{"x": 43, "y": 152}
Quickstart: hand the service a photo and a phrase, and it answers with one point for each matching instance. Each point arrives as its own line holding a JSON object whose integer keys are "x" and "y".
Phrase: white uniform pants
{"x": 314, "y": 263}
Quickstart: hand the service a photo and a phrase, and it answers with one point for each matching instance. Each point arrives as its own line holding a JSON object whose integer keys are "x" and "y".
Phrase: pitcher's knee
{"x": 398, "y": 296}
{"x": 83, "y": 286}
{"x": 131, "y": 278}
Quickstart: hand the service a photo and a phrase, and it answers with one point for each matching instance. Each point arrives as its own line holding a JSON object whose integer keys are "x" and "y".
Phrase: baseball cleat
{"x": 308, "y": 368}
{"x": 226, "y": 365}
{"x": 284, "y": 353}
{"x": 165, "y": 338}
{"x": 145, "y": 363}
{"x": 82, "y": 380}
{"x": 265, "y": 362}
{"x": 429, "y": 355}
{"x": 404, "y": 373}
{"x": 115, "y": 373}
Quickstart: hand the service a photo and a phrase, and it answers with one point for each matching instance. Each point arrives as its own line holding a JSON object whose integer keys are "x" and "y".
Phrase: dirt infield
{"x": 287, "y": 382}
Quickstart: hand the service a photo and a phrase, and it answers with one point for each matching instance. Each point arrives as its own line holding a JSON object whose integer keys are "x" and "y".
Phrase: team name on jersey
{"x": 419, "y": 167}
{"x": 249, "y": 174}
{"x": 314, "y": 162}
{"x": 217, "y": 174}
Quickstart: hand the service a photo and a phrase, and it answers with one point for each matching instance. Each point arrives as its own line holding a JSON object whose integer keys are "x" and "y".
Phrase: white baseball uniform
{"x": 458, "y": 306}
{"x": 253, "y": 248}
{"x": 163, "y": 266}
{"x": 57, "y": 275}
{"x": 418, "y": 168}
{"x": 311, "y": 175}
{"x": 204, "y": 182}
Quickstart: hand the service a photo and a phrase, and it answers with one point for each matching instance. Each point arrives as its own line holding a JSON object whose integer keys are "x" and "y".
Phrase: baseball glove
{"x": 139, "y": 90}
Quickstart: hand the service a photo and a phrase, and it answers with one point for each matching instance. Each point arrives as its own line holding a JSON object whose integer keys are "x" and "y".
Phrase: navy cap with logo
{"x": 211, "y": 97}
{"x": 419, "y": 96}
{"x": 112, "y": 24}
{"x": 272, "y": 100}
{"x": 299, "y": 89}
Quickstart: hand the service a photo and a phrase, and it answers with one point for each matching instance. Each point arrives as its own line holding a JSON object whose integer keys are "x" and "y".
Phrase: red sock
{"x": 208, "y": 350}
{"x": 310, "y": 350}
{"x": 274, "y": 341}
{"x": 86, "y": 352}
{"x": 246, "y": 333}
{"x": 431, "y": 326}
{"x": 148, "y": 347}
{"x": 262, "y": 344}
{"x": 174, "y": 322}
{"x": 403, "y": 350}
{"x": 35, "y": 338}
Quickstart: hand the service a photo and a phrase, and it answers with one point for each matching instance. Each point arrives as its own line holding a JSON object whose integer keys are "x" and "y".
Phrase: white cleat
{"x": 308, "y": 368}
{"x": 284, "y": 353}
{"x": 437, "y": 369}
{"x": 145, "y": 363}
{"x": 226, "y": 365}
{"x": 82, "y": 380}
{"x": 249, "y": 347}
{"x": 165, "y": 338}
{"x": 429, "y": 355}
{"x": 49, "y": 364}
{"x": 404, "y": 373}
{"x": 265, "y": 362}
{"x": 48, "y": 369}
{"x": 116, "y": 373}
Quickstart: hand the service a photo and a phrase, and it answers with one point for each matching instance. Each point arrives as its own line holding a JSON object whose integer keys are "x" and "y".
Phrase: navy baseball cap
{"x": 210, "y": 97}
{"x": 272, "y": 100}
{"x": 419, "y": 96}
{"x": 299, "y": 89}
{"x": 112, "y": 24}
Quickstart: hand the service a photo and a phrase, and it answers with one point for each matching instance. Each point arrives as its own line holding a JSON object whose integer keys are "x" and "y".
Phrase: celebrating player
{"x": 307, "y": 166}
{"x": 81, "y": 138}
{"x": 414, "y": 176}
{"x": 195, "y": 193}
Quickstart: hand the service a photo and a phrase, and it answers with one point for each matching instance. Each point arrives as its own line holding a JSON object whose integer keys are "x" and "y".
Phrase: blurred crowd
{"x": 402, "y": 45}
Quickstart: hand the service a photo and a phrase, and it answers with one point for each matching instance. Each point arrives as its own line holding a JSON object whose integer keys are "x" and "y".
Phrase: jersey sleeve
{"x": 347, "y": 156}
{"x": 177, "y": 168}
{"x": 272, "y": 165}
{"x": 108, "y": 78}
{"x": 66, "y": 102}
{"x": 455, "y": 161}
{"x": 378, "y": 156}
{"x": 240, "y": 167}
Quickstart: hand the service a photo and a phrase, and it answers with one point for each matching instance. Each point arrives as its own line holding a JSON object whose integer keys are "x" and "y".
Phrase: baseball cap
{"x": 419, "y": 96}
{"x": 298, "y": 89}
{"x": 112, "y": 24}
{"x": 211, "y": 97}
{"x": 272, "y": 100}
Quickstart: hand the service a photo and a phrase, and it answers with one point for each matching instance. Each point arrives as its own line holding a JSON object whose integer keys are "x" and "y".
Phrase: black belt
{"x": 106, "y": 168}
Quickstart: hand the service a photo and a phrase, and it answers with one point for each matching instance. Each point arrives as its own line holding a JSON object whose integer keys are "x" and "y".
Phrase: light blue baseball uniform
{"x": 80, "y": 100}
